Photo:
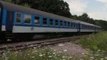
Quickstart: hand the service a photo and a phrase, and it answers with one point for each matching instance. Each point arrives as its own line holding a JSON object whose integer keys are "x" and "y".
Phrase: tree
{"x": 84, "y": 17}
{"x": 102, "y": 23}
{"x": 8, "y": 1}
{"x": 58, "y": 7}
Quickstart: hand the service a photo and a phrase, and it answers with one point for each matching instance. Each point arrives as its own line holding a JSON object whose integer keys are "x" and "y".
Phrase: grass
{"x": 96, "y": 44}
{"x": 95, "y": 41}
{"x": 34, "y": 54}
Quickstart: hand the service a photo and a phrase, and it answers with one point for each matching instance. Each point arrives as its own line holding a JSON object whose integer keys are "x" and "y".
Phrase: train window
{"x": 61, "y": 23}
{"x": 68, "y": 23}
{"x": 86, "y": 26}
{"x": 56, "y": 22}
{"x": 36, "y": 21}
{"x": 27, "y": 18}
{"x": 71, "y": 24}
{"x": 51, "y": 21}
{"x": 82, "y": 26}
{"x": 65, "y": 23}
{"x": 18, "y": 17}
{"x": 44, "y": 20}
{"x": 74, "y": 25}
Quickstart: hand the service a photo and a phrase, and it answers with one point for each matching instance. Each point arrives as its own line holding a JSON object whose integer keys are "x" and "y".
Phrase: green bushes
{"x": 95, "y": 41}
{"x": 97, "y": 46}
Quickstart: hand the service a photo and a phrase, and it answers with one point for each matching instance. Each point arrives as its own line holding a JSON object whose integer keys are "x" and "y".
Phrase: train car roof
{"x": 14, "y": 7}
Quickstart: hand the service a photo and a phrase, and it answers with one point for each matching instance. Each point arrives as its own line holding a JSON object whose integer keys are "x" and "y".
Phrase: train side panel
{"x": 24, "y": 29}
{"x": 41, "y": 24}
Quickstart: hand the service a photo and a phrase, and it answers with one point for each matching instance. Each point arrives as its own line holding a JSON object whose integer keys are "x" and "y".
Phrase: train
{"x": 18, "y": 21}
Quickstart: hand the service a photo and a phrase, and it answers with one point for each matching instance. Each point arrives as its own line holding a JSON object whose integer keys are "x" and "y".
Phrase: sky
{"x": 96, "y": 9}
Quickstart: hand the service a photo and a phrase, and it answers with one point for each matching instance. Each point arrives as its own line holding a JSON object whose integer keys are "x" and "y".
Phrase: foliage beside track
{"x": 34, "y": 54}
{"x": 95, "y": 41}
{"x": 97, "y": 46}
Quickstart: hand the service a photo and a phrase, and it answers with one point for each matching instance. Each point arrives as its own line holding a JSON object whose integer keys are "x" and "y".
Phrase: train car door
{"x": 9, "y": 21}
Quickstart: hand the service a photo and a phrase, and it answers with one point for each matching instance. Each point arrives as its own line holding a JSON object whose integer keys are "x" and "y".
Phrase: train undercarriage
{"x": 6, "y": 37}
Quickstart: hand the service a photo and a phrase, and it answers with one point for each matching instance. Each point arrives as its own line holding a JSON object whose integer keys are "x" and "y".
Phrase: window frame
{"x": 51, "y": 21}
{"x": 30, "y": 20}
{"x": 68, "y": 24}
{"x": 56, "y": 22}
{"x": 61, "y": 23}
{"x": 21, "y": 18}
{"x": 74, "y": 25}
{"x": 65, "y": 23}
{"x": 46, "y": 22}
{"x": 38, "y": 20}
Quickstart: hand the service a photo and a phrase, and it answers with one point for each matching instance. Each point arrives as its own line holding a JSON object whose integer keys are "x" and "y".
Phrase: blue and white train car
{"x": 16, "y": 19}
{"x": 87, "y": 27}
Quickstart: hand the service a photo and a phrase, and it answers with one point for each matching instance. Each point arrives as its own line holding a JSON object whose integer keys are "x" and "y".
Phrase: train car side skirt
{"x": 25, "y": 29}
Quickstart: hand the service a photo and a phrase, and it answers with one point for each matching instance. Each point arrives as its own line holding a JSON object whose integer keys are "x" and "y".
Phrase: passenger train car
{"x": 17, "y": 20}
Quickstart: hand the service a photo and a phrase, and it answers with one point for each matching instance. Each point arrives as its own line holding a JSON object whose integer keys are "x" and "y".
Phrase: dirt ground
{"x": 69, "y": 48}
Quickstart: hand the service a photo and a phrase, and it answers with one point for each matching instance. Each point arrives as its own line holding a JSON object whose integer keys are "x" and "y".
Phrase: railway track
{"x": 32, "y": 44}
